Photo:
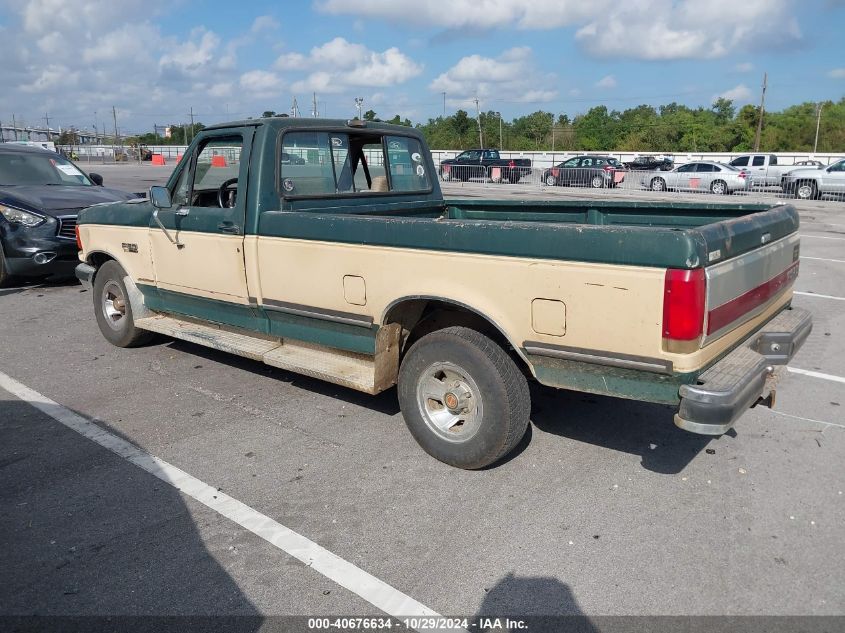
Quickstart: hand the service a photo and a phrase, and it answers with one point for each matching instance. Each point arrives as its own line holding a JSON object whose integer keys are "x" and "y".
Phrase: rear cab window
{"x": 351, "y": 163}
{"x": 742, "y": 161}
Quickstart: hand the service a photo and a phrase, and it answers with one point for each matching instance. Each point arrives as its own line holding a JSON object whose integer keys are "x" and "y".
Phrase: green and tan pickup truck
{"x": 325, "y": 247}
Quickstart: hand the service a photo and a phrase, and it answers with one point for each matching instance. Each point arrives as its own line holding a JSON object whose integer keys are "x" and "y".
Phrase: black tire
{"x": 493, "y": 426}
{"x": 110, "y": 295}
{"x": 5, "y": 277}
{"x": 658, "y": 184}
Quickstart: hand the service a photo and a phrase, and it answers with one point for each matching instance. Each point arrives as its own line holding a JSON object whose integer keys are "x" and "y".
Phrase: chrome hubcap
{"x": 657, "y": 185}
{"x": 114, "y": 305}
{"x": 805, "y": 191}
{"x": 449, "y": 401}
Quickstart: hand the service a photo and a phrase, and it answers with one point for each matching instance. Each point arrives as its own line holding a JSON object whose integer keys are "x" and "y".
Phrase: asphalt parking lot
{"x": 605, "y": 508}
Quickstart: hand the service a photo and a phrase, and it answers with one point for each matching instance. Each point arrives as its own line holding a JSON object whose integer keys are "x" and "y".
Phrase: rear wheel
{"x": 551, "y": 181}
{"x": 597, "y": 182}
{"x": 463, "y": 398}
{"x": 658, "y": 184}
{"x": 113, "y": 310}
{"x": 806, "y": 190}
{"x": 719, "y": 187}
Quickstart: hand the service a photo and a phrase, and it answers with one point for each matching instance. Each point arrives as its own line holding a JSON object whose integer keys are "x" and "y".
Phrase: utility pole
{"x": 501, "y": 144}
{"x": 762, "y": 111}
{"x": 478, "y": 118}
{"x": 192, "y": 122}
{"x": 294, "y": 108}
{"x": 359, "y": 103}
{"x": 818, "y": 122}
{"x": 314, "y": 112}
{"x": 114, "y": 117}
{"x": 47, "y": 119}
{"x": 444, "y": 105}
{"x": 14, "y": 127}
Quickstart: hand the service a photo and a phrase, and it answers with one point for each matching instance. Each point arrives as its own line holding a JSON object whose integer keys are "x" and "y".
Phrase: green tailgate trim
{"x": 352, "y": 338}
{"x": 610, "y": 381}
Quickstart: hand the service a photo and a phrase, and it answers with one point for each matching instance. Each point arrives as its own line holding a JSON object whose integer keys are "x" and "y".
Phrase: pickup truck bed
{"x": 370, "y": 284}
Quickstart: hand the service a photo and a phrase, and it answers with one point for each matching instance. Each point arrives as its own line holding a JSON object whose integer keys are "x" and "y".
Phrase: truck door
{"x": 206, "y": 221}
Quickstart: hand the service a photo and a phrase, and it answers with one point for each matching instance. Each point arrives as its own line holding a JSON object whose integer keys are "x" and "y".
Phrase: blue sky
{"x": 154, "y": 60}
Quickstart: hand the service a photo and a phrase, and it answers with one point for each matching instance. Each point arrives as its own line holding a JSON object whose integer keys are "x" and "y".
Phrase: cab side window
{"x": 218, "y": 160}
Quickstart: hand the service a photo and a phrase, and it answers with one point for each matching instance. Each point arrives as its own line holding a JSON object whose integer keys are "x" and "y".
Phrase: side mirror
{"x": 97, "y": 179}
{"x": 160, "y": 197}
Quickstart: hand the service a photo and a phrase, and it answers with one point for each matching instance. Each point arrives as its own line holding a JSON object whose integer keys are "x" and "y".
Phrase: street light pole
{"x": 818, "y": 122}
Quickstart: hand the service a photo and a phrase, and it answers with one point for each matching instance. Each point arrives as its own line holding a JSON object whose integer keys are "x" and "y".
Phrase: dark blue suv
{"x": 41, "y": 193}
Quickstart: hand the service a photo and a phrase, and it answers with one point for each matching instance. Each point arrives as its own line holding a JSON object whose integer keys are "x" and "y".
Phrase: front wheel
{"x": 463, "y": 398}
{"x": 658, "y": 184}
{"x": 597, "y": 182}
{"x": 806, "y": 190}
{"x": 551, "y": 181}
{"x": 113, "y": 310}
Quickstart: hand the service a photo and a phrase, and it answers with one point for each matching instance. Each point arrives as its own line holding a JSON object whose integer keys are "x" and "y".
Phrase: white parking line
{"x": 824, "y": 259}
{"x": 823, "y": 237}
{"x": 375, "y": 591}
{"x": 798, "y": 417}
{"x": 816, "y": 374}
{"x": 814, "y": 294}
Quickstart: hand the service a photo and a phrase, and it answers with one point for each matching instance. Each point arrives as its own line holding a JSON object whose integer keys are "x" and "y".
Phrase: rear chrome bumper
{"x": 744, "y": 377}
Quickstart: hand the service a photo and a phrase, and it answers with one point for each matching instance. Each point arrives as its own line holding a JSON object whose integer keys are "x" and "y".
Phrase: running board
{"x": 370, "y": 374}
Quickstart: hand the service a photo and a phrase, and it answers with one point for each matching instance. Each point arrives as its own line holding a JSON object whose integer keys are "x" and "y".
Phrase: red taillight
{"x": 78, "y": 239}
{"x": 683, "y": 304}
{"x": 555, "y": 172}
{"x": 608, "y": 168}
{"x": 512, "y": 163}
{"x": 742, "y": 174}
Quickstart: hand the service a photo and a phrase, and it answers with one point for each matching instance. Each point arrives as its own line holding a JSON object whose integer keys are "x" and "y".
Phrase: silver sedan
{"x": 699, "y": 176}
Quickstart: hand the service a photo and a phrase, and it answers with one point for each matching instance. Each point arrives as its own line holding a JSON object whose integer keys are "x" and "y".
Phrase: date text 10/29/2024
{"x": 417, "y": 624}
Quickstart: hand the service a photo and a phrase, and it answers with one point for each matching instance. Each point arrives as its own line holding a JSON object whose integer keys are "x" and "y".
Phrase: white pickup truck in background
{"x": 764, "y": 168}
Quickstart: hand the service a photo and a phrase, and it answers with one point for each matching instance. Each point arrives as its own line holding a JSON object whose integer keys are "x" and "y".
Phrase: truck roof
{"x": 279, "y": 122}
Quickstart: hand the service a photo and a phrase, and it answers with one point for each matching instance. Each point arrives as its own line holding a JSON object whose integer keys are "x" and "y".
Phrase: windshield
{"x": 36, "y": 168}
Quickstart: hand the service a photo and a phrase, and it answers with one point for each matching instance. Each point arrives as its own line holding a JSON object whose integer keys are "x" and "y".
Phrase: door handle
{"x": 229, "y": 227}
{"x": 182, "y": 211}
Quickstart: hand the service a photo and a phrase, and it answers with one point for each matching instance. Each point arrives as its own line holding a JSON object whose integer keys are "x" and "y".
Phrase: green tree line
{"x": 667, "y": 128}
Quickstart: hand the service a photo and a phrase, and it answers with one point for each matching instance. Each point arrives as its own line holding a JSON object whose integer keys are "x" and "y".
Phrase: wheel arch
{"x": 421, "y": 314}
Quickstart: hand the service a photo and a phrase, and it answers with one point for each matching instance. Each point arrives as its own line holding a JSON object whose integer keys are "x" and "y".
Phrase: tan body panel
{"x": 109, "y": 239}
{"x": 622, "y": 303}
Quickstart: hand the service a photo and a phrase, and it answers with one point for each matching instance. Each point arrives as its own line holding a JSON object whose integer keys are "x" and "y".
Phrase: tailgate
{"x": 743, "y": 286}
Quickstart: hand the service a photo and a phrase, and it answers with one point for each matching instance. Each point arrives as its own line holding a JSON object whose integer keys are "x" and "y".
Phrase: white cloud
{"x": 608, "y": 81}
{"x": 739, "y": 93}
{"x": 744, "y": 67}
{"x": 837, "y": 73}
{"x": 264, "y": 23}
{"x": 471, "y": 14}
{"x": 339, "y": 64}
{"x": 261, "y": 82}
{"x": 647, "y": 29}
{"x": 510, "y": 77}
